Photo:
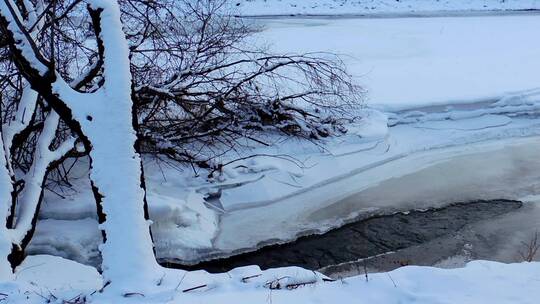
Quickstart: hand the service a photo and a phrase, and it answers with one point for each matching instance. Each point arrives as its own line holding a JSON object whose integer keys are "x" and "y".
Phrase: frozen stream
{"x": 379, "y": 242}
{"x": 452, "y": 134}
{"x": 400, "y": 61}
{"x": 507, "y": 169}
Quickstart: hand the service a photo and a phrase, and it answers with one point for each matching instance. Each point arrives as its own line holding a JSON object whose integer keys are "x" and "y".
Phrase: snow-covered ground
{"x": 375, "y": 7}
{"x": 47, "y": 279}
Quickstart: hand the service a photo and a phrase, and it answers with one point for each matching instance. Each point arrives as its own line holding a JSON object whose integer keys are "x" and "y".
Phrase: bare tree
{"x": 26, "y": 191}
{"x": 172, "y": 78}
{"x": 202, "y": 88}
{"x": 117, "y": 179}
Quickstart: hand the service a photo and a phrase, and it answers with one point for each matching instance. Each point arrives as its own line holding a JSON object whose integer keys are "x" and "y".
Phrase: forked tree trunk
{"x": 30, "y": 197}
{"x": 116, "y": 170}
{"x": 105, "y": 123}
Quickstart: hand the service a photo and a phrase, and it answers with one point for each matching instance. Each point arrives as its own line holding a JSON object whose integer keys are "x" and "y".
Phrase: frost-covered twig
{"x": 530, "y": 248}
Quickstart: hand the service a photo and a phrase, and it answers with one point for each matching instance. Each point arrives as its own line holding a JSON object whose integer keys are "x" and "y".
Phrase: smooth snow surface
{"x": 405, "y": 62}
{"x": 58, "y": 275}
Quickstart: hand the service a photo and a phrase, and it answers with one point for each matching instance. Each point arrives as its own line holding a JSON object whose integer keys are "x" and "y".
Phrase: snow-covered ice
{"x": 486, "y": 170}
{"x": 417, "y": 117}
{"x": 405, "y": 62}
{"x": 343, "y": 181}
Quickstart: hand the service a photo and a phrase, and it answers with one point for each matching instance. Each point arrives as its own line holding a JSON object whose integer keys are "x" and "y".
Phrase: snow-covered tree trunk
{"x": 105, "y": 122}
{"x": 17, "y": 235}
{"x": 128, "y": 256}
{"x": 8, "y": 134}
{"x": 30, "y": 197}
{"x": 24, "y": 115}
{"x": 116, "y": 170}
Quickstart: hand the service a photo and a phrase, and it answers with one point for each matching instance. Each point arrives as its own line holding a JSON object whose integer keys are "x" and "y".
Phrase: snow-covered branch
{"x": 6, "y": 186}
{"x": 20, "y": 121}
{"x": 31, "y": 195}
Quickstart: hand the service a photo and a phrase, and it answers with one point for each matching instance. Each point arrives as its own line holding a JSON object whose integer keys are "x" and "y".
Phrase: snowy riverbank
{"x": 375, "y": 7}
{"x": 45, "y": 279}
{"x": 476, "y": 152}
{"x": 433, "y": 96}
